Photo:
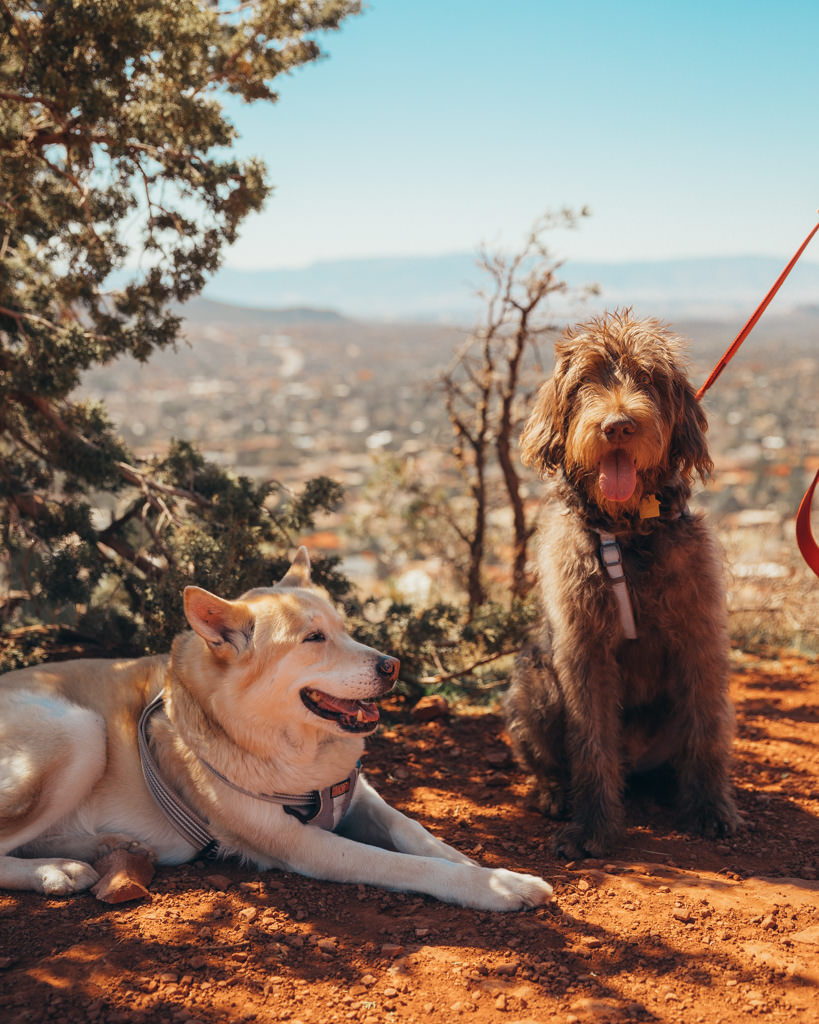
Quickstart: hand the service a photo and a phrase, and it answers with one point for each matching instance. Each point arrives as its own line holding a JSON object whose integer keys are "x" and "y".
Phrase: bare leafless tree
{"x": 485, "y": 392}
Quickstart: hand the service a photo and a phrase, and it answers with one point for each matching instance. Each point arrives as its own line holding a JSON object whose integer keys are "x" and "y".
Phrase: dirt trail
{"x": 673, "y": 928}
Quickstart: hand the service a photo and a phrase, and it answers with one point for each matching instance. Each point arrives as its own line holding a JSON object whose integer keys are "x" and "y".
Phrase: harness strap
{"x": 302, "y": 800}
{"x": 324, "y": 808}
{"x": 612, "y": 558}
{"x": 187, "y": 823}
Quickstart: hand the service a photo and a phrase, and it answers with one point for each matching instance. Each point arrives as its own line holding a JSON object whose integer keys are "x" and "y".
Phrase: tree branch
{"x": 19, "y": 97}
{"x": 466, "y": 670}
{"x": 130, "y": 473}
{"x": 119, "y": 547}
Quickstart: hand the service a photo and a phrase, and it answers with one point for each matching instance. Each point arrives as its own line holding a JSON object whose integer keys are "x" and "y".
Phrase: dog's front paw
{"x": 63, "y": 877}
{"x": 576, "y": 841}
{"x": 511, "y": 890}
{"x": 714, "y": 820}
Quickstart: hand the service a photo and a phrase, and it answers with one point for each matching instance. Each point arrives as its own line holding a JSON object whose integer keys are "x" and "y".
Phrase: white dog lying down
{"x": 241, "y": 741}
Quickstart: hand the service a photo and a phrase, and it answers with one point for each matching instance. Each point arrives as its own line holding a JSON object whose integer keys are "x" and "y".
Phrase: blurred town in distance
{"x": 294, "y": 394}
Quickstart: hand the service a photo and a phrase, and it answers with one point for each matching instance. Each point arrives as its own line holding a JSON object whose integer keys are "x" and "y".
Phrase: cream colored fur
{"x": 71, "y": 784}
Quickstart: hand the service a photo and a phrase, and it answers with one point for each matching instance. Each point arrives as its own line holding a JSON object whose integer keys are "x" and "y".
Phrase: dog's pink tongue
{"x": 618, "y": 477}
{"x": 367, "y": 712}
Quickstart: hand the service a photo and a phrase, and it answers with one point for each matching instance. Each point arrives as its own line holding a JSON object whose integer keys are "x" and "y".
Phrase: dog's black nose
{"x": 388, "y": 668}
{"x": 618, "y": 428}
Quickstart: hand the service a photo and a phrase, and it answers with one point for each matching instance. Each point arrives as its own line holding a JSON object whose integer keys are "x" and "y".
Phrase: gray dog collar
{"x": 324, "y": 808}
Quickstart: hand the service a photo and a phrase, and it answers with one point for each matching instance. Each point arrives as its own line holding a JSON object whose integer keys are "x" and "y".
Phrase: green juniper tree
{"x": 114, "y": 145}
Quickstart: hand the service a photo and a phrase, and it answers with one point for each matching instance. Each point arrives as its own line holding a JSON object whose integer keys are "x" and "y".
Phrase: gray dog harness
{"x": 324, "y": 808}
{"x": 612, "y": 558}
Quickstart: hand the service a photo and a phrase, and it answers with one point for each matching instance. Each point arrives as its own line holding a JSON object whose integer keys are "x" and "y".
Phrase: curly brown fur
{"x": 616, "y": 423}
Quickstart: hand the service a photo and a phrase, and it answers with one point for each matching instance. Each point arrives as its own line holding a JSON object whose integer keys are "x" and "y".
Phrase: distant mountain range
{"x": 443, "y": 288}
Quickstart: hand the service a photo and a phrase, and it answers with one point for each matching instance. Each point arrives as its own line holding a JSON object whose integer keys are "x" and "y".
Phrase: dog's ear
{"x": 226, "y": 626}
{"x": 542, "y": 444}
{"x": 298, "y": 575}
{"x": 689, "y": 448}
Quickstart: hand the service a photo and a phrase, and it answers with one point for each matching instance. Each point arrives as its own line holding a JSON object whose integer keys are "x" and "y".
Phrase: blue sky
{"x": 688, "y": 128}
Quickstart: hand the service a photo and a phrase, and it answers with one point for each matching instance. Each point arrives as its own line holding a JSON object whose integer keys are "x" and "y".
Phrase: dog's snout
{"x": 388, "y": 668}
{"x": 618, "y": 428}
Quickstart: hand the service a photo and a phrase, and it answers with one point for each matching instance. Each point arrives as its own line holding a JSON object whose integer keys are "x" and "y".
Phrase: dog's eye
{"x": 314, "y": 638}
{"x": 644, "y": 379}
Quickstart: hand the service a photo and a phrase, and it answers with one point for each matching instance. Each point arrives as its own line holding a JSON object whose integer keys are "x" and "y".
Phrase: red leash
{"x": 804, "y": 534}
{"x": 746, "y": 330}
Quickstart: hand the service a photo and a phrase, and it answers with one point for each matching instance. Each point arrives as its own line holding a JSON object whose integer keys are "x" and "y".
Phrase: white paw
{"x": 63, "y": 877}
{"x": 513, "y": 891}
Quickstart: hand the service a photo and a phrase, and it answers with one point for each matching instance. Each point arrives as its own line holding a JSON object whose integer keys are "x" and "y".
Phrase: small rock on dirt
{"x": 124, "y": 876}
{"x": 431, "y": 707}
{"x": 220, "y": 882}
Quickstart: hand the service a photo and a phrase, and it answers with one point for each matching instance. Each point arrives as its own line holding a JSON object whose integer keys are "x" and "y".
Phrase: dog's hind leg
{"x": 535, "y": 720}
{"x": 52, "y": 753}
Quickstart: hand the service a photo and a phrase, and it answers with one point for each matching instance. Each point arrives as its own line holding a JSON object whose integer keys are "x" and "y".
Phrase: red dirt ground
{"x": 672, "y": 928}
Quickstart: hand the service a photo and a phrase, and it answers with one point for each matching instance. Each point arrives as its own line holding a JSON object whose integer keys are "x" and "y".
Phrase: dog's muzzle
{"x": 358, "y": 716}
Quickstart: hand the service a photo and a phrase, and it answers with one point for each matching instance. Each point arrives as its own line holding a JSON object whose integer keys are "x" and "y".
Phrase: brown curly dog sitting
{"x": 628, "y": 671}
